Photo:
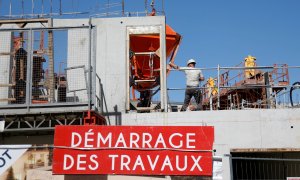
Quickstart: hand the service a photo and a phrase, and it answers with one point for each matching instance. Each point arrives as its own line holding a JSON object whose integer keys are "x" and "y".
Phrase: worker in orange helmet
{"x": 193, "y": 78}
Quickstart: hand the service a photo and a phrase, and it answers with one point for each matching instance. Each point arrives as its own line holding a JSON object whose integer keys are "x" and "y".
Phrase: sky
{"x": 225, "y": 32}
{"x": 214, "y": 32}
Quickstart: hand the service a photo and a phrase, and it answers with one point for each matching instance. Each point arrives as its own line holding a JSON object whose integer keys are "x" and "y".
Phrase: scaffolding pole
{"x": 51, "y": 64}
{"x": 218, "y": 105}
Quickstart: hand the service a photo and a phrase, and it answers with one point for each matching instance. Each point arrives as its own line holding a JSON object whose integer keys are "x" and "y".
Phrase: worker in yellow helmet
{"x": 250, "y": 62}
{"x": 212, "y": 88}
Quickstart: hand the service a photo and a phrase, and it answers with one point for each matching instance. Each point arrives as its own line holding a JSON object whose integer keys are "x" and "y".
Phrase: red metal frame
{"x": 93, "y": 118}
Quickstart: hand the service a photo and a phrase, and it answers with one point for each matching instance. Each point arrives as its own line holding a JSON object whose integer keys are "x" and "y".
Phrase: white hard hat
{"x": 190, "y": 61}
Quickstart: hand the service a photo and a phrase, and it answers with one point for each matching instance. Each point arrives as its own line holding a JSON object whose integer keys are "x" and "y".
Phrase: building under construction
{"x": 250, "y": 87}
{"x": 106, "y": 71}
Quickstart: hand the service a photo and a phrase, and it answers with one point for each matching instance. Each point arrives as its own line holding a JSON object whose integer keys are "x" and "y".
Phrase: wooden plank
{"x": 145, "y": 80}
{"x": 8, "y": 99}
{"x": 144, "y": 108}
{"x": 6, "y": 53}
{"x": 12, "y": 21}
{"x": 7, "y": 85}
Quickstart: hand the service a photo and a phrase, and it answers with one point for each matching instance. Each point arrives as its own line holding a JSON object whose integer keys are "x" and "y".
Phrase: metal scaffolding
{"x": 261, "y": 90}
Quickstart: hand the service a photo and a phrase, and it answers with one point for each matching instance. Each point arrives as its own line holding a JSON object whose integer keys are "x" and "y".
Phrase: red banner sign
{"x": 144, "y": 150}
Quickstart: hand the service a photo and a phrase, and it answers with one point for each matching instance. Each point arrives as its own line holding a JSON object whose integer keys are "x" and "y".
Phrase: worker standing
{"x": 193, "y": 78}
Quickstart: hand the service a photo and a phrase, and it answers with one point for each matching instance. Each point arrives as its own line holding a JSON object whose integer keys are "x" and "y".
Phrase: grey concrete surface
{"x": 241, "y": 129}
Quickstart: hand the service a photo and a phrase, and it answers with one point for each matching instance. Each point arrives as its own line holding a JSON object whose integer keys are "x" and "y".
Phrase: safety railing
{"x": 59, "y": 8}
{"x": 268, "y": 87}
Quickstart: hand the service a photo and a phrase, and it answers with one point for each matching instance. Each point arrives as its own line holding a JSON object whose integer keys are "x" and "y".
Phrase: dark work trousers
{"x": 189, "y": 93}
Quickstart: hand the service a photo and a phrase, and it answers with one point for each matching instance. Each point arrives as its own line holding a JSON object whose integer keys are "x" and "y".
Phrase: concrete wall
{"x": 241, "y": 129}
{"x": 111, "y": 55}
{"x": 269, "y": 128}
{"x": 70, "y": 22}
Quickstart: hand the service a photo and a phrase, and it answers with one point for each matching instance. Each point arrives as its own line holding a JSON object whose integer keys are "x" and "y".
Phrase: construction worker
{"x": 250, "y": 62}
{"x": 193, "y": 78}
{"x": 212, "y": 89}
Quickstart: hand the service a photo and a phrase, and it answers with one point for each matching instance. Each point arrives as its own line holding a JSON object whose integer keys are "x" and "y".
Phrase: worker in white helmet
{"x": 193, "y": 78}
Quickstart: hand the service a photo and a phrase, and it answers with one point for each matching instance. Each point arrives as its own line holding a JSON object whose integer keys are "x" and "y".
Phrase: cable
{"x": 101, "y": 148}
{"x": 294, "y": 86}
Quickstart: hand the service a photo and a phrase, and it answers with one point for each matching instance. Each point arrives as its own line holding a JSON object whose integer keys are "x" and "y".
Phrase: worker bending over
{"x": 193, "y": 78}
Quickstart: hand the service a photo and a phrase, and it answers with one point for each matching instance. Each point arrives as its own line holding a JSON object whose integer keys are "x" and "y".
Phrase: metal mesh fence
{"x": 77, "y": 65}
{"x": 13, "y": 71}
{"x": 265, "y": 168}
{"x": 44, "y": 66}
